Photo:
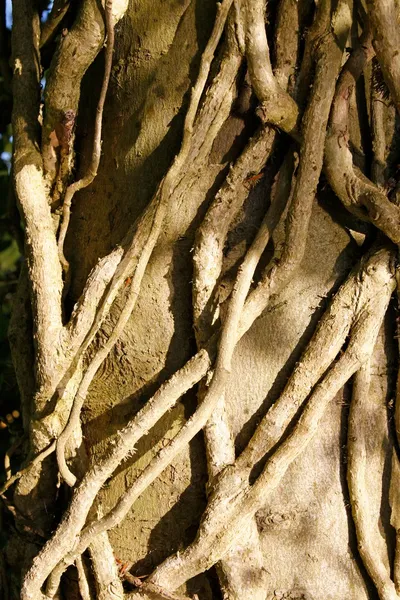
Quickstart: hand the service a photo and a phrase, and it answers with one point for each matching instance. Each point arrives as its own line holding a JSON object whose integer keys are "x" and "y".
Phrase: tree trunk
{"x": 209, "y": 391}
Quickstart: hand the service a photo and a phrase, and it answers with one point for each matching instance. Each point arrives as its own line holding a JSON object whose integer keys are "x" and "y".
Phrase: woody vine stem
{"x": 343, "y": 342}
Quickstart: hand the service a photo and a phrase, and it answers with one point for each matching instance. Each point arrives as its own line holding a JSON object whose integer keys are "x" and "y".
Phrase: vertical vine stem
{"x": 360, "y": 505}
{"x": 96, "y": 152}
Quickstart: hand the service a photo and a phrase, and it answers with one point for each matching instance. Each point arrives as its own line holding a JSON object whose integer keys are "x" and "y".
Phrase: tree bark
{"x": 203, "y": 329}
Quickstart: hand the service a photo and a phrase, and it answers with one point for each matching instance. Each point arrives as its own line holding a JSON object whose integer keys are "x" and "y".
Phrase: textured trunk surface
{"x": 306, "y": 532}
{"x": 305, "y": 527}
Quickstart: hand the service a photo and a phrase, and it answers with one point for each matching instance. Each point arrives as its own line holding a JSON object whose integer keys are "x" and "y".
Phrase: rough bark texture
{"x": 309, "y": 510}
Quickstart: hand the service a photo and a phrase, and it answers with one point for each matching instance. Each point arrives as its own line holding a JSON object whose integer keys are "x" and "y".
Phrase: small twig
{"x": 96, "y": 152}
{"x": 213, "y": 111}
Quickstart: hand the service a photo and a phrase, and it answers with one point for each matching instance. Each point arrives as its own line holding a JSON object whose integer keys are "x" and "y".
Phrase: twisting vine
{"x": 314, "y": 86}
{"x": 93, "y": 166}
